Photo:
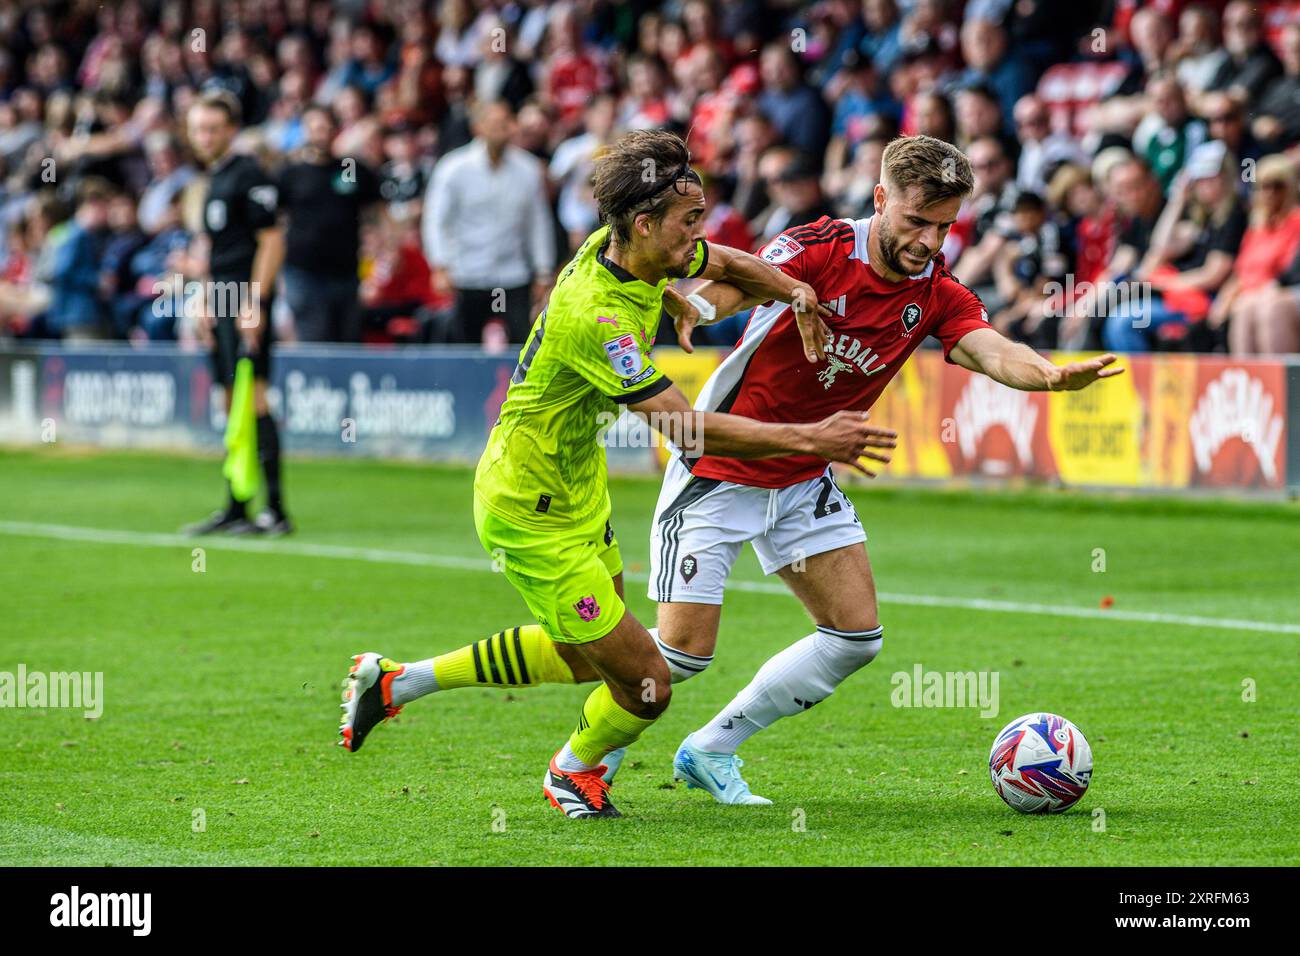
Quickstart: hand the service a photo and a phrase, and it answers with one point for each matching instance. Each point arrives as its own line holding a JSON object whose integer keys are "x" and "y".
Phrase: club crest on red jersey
{"x": 911, "y": 317}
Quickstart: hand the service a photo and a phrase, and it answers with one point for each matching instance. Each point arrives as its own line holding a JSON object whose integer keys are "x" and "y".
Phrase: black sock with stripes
{"x": 521, "y": 656}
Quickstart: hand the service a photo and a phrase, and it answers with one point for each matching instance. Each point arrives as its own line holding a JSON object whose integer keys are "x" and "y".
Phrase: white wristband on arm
{"x": 708, "y": 313}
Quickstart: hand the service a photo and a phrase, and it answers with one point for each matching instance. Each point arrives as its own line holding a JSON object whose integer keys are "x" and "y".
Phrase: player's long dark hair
{"x": 641, "y": 172}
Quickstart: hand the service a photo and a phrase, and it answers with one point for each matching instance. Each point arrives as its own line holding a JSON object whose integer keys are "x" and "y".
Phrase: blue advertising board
{"x": 435, "y": 403}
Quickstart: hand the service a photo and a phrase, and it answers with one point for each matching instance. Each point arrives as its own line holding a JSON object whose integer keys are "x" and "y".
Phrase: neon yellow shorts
{"x": 565, "y": 576}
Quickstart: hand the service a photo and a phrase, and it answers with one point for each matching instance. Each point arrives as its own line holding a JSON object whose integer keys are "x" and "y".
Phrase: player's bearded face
{"x": 903, "y": 254}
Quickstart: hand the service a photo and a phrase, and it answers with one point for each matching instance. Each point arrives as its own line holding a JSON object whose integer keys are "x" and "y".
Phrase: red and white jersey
{"x": 876, "y": 325}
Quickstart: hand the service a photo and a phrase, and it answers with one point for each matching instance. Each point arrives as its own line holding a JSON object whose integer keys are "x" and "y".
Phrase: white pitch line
{"x": 146, "y": 539}
{"x": 254, "y": 545}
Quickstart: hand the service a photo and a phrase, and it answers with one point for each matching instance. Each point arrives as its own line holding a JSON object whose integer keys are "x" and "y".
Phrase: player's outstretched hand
{"x": 847, "y": 438}
{"x": 685, "y": 317}
{"x": 809, "y": 315}
{"x": 1077, "y": 375}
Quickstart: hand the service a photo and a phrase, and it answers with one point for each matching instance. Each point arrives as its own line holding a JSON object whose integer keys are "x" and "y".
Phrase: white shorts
{"x": 701, "y": 523}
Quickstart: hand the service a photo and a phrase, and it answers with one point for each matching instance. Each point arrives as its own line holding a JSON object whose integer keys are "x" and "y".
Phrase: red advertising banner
{"x": 1171, "y": 421}
{"x": 1237, "y": 426}
{"x": 991, "y": 430}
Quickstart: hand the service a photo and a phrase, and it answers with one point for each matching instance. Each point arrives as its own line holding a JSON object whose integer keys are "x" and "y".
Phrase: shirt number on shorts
{"x": 824, "y": 504}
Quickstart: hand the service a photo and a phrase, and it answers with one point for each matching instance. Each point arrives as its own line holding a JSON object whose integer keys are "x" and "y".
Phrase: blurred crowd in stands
{"x": 1135, "y": 163}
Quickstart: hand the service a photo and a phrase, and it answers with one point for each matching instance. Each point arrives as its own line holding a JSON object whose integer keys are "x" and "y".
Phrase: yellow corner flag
{"x": 241, "y": 468}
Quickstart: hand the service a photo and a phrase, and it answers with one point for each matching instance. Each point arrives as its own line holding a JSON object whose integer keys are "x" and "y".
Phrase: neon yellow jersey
{"x": 588, "y": 352}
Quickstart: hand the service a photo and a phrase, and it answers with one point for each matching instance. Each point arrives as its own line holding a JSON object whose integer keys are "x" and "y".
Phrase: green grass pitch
{"x": 221, "y": 688}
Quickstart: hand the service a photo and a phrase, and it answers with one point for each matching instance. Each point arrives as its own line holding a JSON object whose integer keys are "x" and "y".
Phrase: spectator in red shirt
{"x": 712, "y": 115}
{"x": 1092, "y": 226}
{"x": 723, "y": 225}
{"x": 1093, "y": 221}
{"x": 397, "y": 282}
{"x": 701, "y": 25}
{"x": 1246, "y": 303}
{"x": 646, "y": 104}
{"x": 573, "y": 74}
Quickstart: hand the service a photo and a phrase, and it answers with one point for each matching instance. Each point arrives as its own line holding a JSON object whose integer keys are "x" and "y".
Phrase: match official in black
{"x": 245, "y": 252}
{"x": 323, "y": 198}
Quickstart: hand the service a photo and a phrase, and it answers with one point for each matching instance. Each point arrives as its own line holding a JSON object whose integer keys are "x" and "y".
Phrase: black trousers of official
{"x": 324, "y": 305}
{"x": 475, "y": 308}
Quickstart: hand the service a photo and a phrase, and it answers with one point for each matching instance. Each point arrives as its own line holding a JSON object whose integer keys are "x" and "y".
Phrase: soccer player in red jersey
{"x": 888, "y": 289}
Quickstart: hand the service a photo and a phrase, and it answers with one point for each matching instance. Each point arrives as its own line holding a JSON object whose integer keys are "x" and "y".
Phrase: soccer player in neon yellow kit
{"x": 541, "y": 500}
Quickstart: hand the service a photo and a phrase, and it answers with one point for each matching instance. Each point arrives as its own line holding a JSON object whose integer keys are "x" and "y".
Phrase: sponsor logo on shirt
{"x": 781, "y": 249}
{"x": 845, "y": 353}
{"x": 645, "y": 373}
{"x": 827, "y": 375}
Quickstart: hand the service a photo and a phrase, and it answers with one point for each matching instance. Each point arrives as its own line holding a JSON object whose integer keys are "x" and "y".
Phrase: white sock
{"x": 789, "y": 683}
{"x": 566, "y": 759}
{"x": 415, "y": 681}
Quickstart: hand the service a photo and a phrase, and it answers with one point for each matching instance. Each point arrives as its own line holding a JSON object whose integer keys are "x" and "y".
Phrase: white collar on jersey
{"x": 862, "y": 229}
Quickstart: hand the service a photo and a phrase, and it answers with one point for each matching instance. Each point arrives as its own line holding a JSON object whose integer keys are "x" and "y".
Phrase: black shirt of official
{"x": 242, "y": 201}
{"x": 324, "y": 203}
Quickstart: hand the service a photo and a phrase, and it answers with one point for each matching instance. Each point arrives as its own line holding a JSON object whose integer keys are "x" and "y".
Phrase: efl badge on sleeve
{"x": 624, "y": 355}
{"x": 781, "y": 249}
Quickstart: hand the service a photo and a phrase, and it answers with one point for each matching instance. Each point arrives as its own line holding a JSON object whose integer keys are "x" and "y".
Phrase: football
{"x": 1040, "y": 763}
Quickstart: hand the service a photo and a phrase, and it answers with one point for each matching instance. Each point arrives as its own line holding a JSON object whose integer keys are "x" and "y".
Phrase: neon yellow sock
{"x": 604, "y": 726}
{"x": 520, "y": 657}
